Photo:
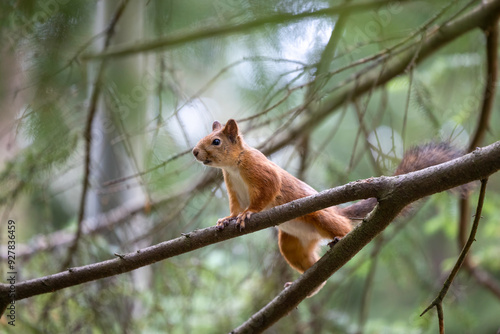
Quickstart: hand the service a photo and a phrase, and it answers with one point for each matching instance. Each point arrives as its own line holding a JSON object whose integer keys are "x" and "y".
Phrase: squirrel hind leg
{"x": 299, "y": 256}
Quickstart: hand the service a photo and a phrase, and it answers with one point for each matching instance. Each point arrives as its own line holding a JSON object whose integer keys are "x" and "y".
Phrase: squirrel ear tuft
{"x": 216, "y": 126}
{"x": 231, "y": 130}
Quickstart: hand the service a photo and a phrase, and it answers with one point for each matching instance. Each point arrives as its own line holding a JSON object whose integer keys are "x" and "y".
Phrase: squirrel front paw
{"x": 243, "y": 218}
{"x": 223, "y": 222}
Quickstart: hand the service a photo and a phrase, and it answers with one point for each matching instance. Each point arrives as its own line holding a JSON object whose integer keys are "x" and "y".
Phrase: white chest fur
{"x": 306, "y": 232}
{"x": 239, "y": 186}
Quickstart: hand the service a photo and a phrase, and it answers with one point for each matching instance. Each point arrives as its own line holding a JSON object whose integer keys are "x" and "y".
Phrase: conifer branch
{"x": 393, "y": 193}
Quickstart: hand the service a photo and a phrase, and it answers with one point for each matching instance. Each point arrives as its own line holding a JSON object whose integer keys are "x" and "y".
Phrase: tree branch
{"x": 368, "y": 286}
{"x": 394, "y": 193}
{"x": 163, "y": 43}
{"x": 102, "y": 222}
{"x": 491, "y": 33}
{"x": 478, "y": 17}
{"x": 364, "y": 81}
{"x": 96, "y": 91}
{"x": 438, "y": 301}
{"x": 392, "y": 198}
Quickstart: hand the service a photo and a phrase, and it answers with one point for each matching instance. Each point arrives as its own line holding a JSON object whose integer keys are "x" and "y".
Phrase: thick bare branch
{"x": 392, "y": 198}
{"x": 367, "y": 80}
{"x": 394, "y": 193}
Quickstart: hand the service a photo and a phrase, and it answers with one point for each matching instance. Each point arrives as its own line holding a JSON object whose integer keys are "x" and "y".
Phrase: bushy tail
{"x": 414, "y": 159}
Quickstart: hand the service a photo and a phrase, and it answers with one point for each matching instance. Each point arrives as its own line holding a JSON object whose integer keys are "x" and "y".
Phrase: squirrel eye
{"x": 216, "y": 142}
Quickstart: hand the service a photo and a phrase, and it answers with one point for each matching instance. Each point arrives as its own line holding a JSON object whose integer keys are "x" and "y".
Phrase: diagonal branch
{"x": 489, "y": 90}
{"x": 163, "y": 43}
{"x": 394, "y": 193}
{"x": 482, "y": 276}
{"x": 391, "y": 200}
{"x": 392, "y": 66}
{"x": 454, "y": 29}
{"x": 88, "y": 136}
{"x": 438, "y": 301}
{"x": 99, "y": 223}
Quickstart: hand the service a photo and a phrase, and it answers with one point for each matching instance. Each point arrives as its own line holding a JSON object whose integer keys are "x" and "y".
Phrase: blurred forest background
{"x": 118, "y": 130}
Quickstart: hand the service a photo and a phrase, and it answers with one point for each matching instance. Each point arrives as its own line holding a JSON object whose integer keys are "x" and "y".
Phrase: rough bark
{"x": 393, "y": 194}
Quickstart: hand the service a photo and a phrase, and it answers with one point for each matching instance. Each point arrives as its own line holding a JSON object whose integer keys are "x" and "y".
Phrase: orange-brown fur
{"x": 255, "y": 183}
{"x": 268, "y": 185}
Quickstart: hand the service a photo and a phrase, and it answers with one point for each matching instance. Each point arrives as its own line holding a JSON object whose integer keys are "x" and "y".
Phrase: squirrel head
{"x": 222, "y": 147}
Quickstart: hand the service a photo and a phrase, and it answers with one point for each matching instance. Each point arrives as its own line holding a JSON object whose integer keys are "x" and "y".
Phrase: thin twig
{"x": 438, "y": 301}
{"x": 452, "y": 30}
{"x": 395, "y": 66}
{"x": 147, "y": 171}
{"x": 181, "y": 39}
{"x": 491, "y": 33}
{"x": 393, "y": 51}
{"x": 368, "y": 287}
{"x": 490, "y": 87}
{"x": 319, "y": 81}
{"x": 333, "y": 260}
{"x": 366, "y": 147}
{"x": 88, "y": 135}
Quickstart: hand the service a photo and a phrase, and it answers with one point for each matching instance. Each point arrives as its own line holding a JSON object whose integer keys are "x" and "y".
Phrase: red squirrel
{"x": 254, "y": 183}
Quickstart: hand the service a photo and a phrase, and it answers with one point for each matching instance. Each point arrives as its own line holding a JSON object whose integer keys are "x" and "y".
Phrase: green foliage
{"x": 152, "y": 108}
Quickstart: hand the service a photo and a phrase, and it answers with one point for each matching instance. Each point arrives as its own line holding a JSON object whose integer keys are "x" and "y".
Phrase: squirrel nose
{"x": 195, "y": 152}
